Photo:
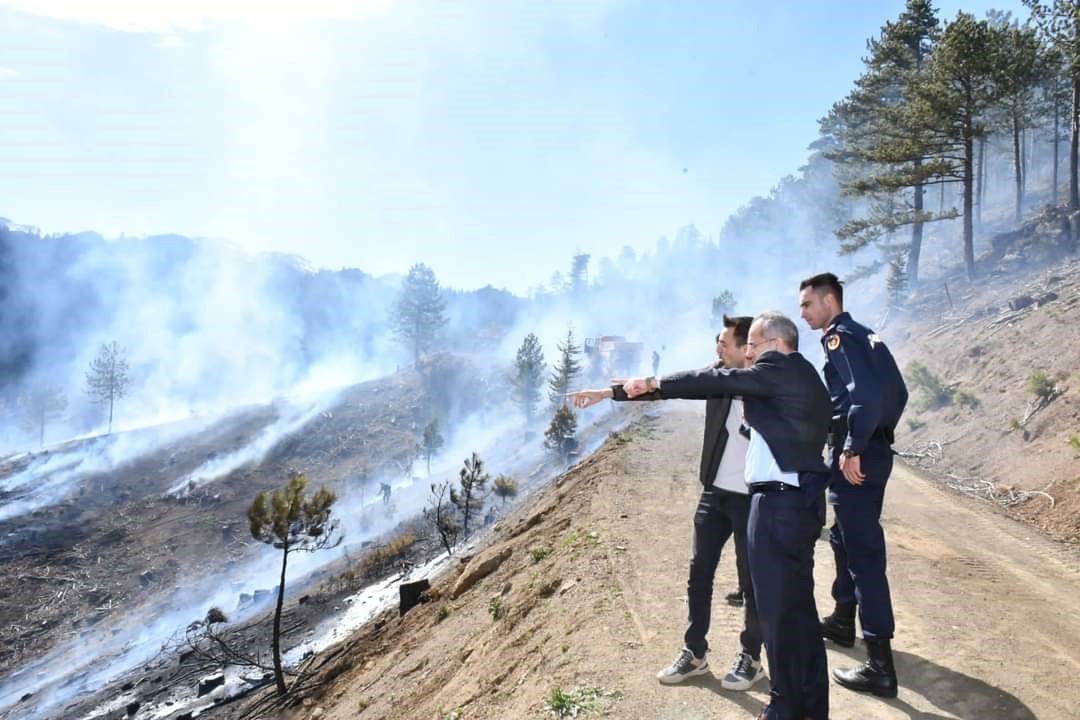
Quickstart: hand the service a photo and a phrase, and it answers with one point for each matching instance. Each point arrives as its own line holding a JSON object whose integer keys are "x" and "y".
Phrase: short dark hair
{"x": 827, "y": 283}
{"x": 741, "y": 323}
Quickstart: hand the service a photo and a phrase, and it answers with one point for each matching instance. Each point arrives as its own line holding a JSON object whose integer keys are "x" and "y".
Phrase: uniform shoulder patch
{"x": 874, "y": 339}
{"x": 833, "y": 342}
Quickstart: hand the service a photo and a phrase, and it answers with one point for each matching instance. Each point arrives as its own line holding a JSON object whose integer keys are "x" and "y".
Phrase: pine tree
{"x": 290, "y": 521}
{"x": 1021, "y": 70}
{"x": 469, "y": 500}
{"x": 723, "y": 304}
{"x": 579, "y": 274}
{"x": 1059, "y": 23}
{"x": 40, "y": 405}
{"x": 431, "y": 442}
{"x": 1056, "y": 94}
{"x": 951, "y": 107}
{"x": 529, "y": 369}
{"x": 108, "y": 380}
{"x": 418, "y": 316}
{"x": 568, "y": 368}
{"x": 505, "y": 487}
{"x": 896, "y": 283}
{"x": 560, "y": 436}
{"x": 880, "y": 156}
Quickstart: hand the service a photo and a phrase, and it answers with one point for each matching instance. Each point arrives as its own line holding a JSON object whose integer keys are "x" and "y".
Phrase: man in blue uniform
{"x": 868, "y": 396}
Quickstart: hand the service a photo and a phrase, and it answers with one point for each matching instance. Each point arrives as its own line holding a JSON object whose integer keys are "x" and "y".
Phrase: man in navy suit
{"x": 788, "y": 411}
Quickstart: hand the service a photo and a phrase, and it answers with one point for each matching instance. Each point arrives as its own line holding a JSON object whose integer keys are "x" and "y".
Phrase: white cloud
{"x": 6, "y": 72}
{"x": 168, "y": 16}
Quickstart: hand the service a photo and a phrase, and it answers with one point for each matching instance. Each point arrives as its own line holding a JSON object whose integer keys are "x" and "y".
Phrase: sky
{"x": 489, "y": 139}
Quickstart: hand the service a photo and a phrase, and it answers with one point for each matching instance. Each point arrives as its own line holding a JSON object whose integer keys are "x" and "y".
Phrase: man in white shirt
{"x": 721, "y": 513}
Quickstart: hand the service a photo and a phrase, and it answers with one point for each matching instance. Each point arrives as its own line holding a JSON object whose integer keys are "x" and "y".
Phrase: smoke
{"x": 291, "y": 419}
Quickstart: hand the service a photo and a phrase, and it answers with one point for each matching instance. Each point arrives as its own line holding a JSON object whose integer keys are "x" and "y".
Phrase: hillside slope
{"x": 591, "y": 593}
{"x": 984, "y": 353}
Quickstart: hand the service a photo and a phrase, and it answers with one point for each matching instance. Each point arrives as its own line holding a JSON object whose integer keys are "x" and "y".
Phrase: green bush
{"x": 1042, "y": 385}
{"x": 966, "y": 399}
{"x": 495, "y": 608}
{"x": 933, "y": 390}
{"x": 539, "y": 553}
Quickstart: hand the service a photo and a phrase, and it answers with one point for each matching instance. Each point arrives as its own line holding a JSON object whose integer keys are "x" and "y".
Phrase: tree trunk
{"x": 1074, "y": 146}
{"x": 916, "y": 236}
{"x": 969, "y": 232}
{"x": 112, "y": 398}
{"x": 279, "y": 673}
{"x": 1057, "y": 133}
{"x": 1018, "y": 165}
{"x": 41, "y": 439}
{"x": 981, "y": 180}
{"x": 467, "y": 510}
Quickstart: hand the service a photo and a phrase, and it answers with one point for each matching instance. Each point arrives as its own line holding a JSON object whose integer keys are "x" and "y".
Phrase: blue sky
{"x": 491, "y": 140}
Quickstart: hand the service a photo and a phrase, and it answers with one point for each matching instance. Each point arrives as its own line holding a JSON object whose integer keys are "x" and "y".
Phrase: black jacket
{"x": 715, "y": 440}
{"x": 783, "y": 399}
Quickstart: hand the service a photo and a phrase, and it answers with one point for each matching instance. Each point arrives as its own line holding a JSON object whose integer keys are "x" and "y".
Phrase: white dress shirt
{"x": 761, "y": 465}
{"x": 731, "y": 475}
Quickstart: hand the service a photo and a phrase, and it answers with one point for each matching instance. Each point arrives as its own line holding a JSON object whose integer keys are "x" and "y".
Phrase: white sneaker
{"x": 684, "y": 666}
{"x": 745, "y": 671}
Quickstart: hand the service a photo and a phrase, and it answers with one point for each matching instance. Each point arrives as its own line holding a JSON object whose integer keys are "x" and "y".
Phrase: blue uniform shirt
{"x": 865, "y": 385}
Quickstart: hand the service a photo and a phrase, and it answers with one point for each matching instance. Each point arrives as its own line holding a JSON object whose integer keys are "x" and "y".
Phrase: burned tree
{"x": 440, "y": 514}
{"x": 290, "y": 521}
{"x": 210, "y": 640}
{"x": 470, "y": 498}
{"x": 107, "y": 380}
{"x": 40, "y": 405}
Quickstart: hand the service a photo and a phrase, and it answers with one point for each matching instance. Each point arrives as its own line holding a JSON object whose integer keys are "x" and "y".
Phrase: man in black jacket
{"x": 722, "y": 513}
{"x": 788, "y": 410}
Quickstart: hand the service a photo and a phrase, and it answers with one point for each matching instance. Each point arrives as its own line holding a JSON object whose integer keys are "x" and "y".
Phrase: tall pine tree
{"x": 880, "y": 156}
{"x": 950, "y": 108}
{"x": 568, "y": 368}
{"x": 1059, "y": 22}
{"x": 528, "y": 374}
{"x": 418, "y": 316}
{"x": 1021, "y": 67}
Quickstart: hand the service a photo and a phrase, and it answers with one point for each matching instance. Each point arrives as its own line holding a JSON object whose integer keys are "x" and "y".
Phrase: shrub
{"x": 966, "y": 399}
{"x": 383, "y": 557}
{"x": 539, "y": 553}
{"x": 496, "y": 609}
{"x": 934, "y": 392}
{"x": 1041, "y": 385}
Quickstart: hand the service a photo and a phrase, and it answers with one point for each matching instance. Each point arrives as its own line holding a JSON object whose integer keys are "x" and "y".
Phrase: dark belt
{"x": 771, "y": 487}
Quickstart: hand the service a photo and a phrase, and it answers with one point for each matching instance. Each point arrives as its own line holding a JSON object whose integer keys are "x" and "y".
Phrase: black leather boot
{"x": 877, "y": 675}
{"x": 840, "y": 626}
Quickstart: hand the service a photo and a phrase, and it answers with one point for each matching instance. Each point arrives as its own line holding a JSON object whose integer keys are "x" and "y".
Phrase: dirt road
{"x": 986, "y": 609}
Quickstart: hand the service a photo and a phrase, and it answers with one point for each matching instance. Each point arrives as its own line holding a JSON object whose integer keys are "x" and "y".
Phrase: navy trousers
{"x": 782, "y": 530}
{"x": 720, "y": 515}
{"x": 858, "y": 541}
